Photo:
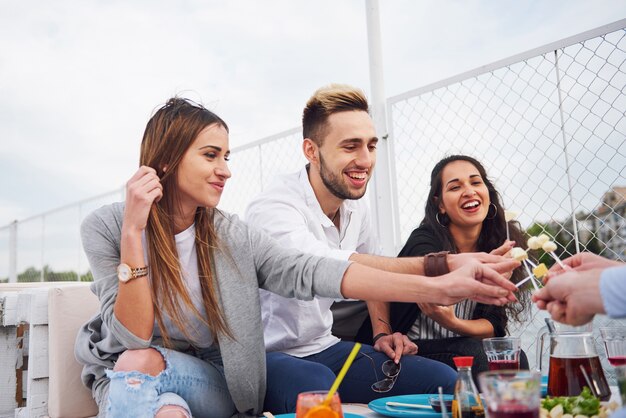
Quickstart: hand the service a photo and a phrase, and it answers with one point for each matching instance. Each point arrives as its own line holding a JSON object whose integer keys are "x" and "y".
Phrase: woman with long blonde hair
{"x": 179, "y": 330}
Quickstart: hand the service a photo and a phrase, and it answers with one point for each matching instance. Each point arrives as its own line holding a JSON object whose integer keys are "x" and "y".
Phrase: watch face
{"x": 123, "y": 272}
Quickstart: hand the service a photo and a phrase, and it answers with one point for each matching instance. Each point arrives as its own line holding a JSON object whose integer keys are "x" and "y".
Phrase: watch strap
{"x": 138, "y": 272}
{"x": 436, "y": 264}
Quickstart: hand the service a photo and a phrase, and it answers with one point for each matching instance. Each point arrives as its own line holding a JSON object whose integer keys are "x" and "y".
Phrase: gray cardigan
{"x": 247, "y": 259}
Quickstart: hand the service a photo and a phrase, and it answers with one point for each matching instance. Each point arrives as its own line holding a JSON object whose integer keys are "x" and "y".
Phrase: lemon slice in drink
{"x": 321, "y": 411}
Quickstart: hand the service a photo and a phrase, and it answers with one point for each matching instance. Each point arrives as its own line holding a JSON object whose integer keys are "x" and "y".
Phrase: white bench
{"x": 39, "y": 376}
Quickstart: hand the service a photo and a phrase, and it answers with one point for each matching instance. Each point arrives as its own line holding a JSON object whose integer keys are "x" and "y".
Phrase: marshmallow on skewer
{"x": 519, "y": 254}
{"x": 522, "y": 256}
{"x": 542, "y": 239}
{"x": 509, "y": 215}
{"x": 550, "y": 248}
{"x": 533, "y": 243}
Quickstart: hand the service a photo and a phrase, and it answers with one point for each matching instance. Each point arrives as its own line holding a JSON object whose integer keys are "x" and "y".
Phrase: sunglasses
{"x": 390, "y": 369}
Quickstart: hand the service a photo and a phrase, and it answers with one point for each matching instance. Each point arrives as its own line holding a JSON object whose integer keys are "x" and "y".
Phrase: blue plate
{"x": 380, "y": 406}
{"x": 544, "y": 386}
{"x": 345, "y": 415}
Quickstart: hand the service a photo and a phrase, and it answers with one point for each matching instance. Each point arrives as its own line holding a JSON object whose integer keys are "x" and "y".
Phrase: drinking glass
{"x": 615, "y": 343}
{"x": 502, "y": 352}
{"x": 308, "y": 401}
{"x": 511, "y": 393}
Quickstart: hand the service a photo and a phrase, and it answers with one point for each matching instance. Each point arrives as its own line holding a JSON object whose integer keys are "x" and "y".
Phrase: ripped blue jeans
{"x": 193, "y": 381}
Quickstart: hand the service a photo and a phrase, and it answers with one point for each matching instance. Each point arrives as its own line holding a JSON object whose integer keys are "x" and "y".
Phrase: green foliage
{"x": 31, "y": 274}
{"x": 584, "y": 404}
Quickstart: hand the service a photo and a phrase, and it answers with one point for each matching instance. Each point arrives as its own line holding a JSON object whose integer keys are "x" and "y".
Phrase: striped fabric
{"x": 426, "y": 328}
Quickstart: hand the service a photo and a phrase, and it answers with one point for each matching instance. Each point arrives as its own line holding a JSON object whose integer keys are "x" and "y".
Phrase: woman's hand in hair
{"x": 142, "y": 190}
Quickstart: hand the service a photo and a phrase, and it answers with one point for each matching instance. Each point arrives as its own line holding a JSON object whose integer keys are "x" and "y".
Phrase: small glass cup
{"x": 310, "y": 400}
{"x": 615, "y": 343}
{"x": 502, "y": 352}
{"x": 511, "y": 393}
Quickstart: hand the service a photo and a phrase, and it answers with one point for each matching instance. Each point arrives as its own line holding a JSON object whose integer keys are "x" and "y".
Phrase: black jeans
{"x": 445, "y": 349}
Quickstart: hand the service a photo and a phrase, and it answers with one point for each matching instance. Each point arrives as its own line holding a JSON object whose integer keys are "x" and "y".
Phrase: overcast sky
{"x": 79, "y": 79}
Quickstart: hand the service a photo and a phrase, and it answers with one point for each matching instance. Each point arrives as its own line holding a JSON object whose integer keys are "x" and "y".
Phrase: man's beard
{"x": 334, "y": 183}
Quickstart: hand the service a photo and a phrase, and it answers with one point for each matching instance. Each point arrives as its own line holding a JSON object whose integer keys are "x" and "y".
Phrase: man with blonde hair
{"x": 319, "y": 210}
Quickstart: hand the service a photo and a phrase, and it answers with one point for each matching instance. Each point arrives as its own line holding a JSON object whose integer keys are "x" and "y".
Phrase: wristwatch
{"x": 125, "y": 273}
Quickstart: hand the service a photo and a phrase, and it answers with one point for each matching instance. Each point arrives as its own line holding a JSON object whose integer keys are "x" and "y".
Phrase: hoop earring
{"x": 495, "y": 211}
{"x": 438, "y": 220}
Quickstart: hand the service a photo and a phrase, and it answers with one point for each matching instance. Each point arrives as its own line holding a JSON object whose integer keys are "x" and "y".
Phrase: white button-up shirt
{"x": 290, "y": 212}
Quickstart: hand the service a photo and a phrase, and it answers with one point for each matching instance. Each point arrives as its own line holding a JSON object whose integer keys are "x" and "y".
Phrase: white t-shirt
{"x": 197, "y": 330}
{"x": 289, "y": 211}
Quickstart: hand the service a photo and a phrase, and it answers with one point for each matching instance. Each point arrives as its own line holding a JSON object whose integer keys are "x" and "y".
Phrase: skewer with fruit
{"x": 509, "y": 215}
{"x": 538, "y": 271}
{"x": 543, "y": 241}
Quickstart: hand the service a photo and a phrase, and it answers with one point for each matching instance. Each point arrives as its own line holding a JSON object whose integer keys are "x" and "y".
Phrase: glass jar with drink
{"x": 574, "y": 364}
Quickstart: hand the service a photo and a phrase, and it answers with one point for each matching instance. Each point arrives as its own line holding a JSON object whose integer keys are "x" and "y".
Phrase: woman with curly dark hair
{"x": 463, "y": 214}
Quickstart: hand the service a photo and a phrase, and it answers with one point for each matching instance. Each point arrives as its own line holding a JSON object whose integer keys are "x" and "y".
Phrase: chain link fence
{"x": 254, "y": 167}
{"x": 550, "y": 128}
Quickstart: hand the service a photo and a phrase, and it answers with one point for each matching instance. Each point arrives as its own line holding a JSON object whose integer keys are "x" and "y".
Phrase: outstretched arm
{"x": 474, "y": 281}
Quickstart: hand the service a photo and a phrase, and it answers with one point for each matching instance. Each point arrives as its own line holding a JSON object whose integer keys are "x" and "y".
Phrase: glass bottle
{"x": 466, "y": 403}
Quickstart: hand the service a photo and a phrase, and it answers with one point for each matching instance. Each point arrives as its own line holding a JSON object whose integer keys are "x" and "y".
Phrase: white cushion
{"x": 69, "y": 307}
